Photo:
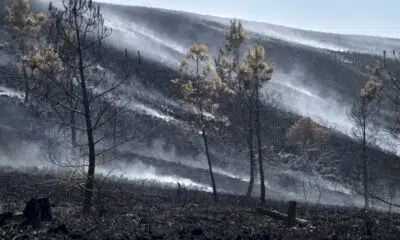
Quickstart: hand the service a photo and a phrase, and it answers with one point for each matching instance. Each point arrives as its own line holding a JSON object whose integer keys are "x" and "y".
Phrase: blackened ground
{"x": 141, "y": 211}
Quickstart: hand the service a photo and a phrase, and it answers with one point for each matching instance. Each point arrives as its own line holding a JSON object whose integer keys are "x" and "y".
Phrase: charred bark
{"x": 259, "y": 140}
{"x": 251, "y": 152}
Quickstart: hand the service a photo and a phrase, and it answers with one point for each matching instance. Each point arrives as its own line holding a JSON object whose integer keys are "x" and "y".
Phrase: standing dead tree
{"x": 72, "y": 71}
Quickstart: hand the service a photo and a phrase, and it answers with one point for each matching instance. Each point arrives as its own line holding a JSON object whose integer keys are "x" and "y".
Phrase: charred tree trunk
{"x": 210, "y": 166}
{"x": 73, "y": 130}
{"x": 364, "y": 159}
{"x": 26, "y": 83}
{"x": 24, "y": 73}
{"x": 251, "y": 152}
{"x": 365, "y": 167}
{"x": 202, "y": 120}
{"x": 72, "y": 118}
{"x": 259, "y": 140}
{"x": 291, "y": 216}
{"x": 115, "y": 132}
{"x": 89, "y": 187}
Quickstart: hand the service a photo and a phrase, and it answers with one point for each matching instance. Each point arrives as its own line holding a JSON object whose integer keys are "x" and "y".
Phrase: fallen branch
{"x": 384, "y": 201}
{"x": 281, "y": 216}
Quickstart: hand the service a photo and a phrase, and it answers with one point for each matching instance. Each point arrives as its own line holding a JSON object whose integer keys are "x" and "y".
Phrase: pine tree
{"x": 201, "y": 92}
{"x": 254, "y": 72}
{"x": 24, "y": 28}
{"x": 227, "y": 64}
{"x": 363, "y": 112}
{"x": 71, "y": 83}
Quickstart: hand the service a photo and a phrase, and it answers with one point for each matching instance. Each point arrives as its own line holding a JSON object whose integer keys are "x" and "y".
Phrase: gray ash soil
{"x": 138, "y": 210}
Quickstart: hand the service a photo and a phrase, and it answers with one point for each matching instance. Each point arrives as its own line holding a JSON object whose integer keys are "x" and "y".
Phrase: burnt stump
{"x": 37, "y": 211}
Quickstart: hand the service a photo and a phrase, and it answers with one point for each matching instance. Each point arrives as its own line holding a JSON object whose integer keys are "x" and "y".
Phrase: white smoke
{"x": 294, "y": 38}
{"x": 328, "y": 110}
{"x": 4, "y": 91}
{"x": 141, "y": 171}
{"x": 334, "y": 42}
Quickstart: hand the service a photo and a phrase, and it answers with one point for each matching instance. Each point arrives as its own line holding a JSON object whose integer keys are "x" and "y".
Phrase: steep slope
{"x": 316, "y": 74}
{"x": 314, "y": 80}
{"x": 309, "y": 71}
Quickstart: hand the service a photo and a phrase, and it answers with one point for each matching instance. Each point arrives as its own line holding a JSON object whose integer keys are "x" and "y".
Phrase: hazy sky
{"x": 379, "y": 18}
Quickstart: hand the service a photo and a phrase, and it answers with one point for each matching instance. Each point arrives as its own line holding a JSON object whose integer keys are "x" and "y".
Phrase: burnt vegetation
{"x": 83, "y": 102}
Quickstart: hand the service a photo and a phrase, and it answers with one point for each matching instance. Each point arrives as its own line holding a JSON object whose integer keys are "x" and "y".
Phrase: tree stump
{"x": 367, "y": 223}
{"x": 45, "y": 209}
{"x": 32, "y": 213}
{"x": 36, "y": 211}
{"x": 291, "y": 215}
